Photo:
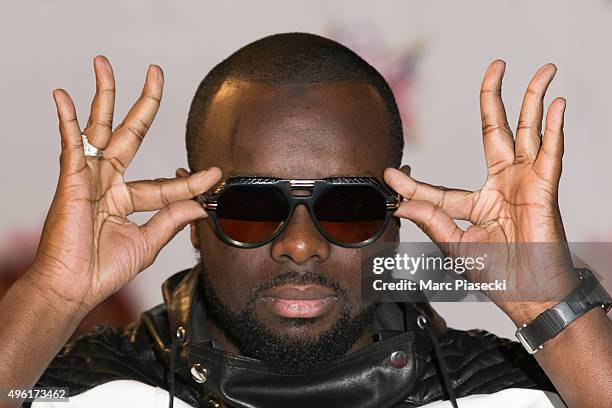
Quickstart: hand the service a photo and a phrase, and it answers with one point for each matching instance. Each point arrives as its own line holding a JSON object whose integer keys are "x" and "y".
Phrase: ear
{"x": 193, "y": 230}
{"x": 193, "y": 235}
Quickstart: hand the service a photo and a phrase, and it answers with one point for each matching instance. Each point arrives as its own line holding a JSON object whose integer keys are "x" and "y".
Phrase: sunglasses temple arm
{"x": 203, "y": 201}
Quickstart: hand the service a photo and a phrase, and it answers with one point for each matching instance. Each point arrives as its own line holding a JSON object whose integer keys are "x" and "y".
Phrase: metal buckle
{"x": 524, "y": 342}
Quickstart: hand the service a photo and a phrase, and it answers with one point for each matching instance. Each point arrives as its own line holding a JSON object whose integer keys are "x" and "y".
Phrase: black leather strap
{"x": 587, "y": 295}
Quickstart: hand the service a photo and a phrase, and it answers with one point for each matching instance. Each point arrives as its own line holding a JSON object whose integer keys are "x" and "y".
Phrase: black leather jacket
{"x": 149, "y": 351}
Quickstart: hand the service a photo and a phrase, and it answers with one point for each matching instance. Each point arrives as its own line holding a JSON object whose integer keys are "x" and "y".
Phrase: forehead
{"x": 289, "y": 131}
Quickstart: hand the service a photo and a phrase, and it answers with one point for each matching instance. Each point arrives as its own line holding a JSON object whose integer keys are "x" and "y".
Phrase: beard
{"x": 289, "y": 354}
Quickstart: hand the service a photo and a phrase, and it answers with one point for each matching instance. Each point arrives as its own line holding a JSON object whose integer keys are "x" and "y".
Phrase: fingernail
{"x": 108, "y": 66}
{"x": 104, "y": 64}
{"x": 212, "y": 168}
{"x": 156, "y": 71}
{"x": 549, "y": 68}
{"x": 497, "y": 62}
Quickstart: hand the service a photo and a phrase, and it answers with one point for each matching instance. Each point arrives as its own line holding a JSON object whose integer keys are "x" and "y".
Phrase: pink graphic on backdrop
{"x": 398, "y": 65}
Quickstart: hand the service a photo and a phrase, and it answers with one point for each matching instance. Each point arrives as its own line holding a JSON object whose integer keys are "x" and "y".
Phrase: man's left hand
{"x": 518, "y": 203}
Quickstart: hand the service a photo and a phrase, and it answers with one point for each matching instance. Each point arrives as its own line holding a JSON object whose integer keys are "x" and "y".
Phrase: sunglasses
{"x": 248, "y": 212}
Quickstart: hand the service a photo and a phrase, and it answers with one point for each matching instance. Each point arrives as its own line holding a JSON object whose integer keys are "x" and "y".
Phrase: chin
{"x": 310, "y": 329}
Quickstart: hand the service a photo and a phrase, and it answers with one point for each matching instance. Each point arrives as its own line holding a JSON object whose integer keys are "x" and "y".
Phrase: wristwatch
{"x": 587, "y": 295}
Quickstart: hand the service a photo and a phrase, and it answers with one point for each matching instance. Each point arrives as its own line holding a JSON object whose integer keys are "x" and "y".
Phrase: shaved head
{"x": 291, "y": 63}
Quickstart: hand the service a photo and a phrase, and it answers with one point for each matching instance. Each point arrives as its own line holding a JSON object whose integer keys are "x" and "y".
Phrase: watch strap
{"x": 586, "y": 296}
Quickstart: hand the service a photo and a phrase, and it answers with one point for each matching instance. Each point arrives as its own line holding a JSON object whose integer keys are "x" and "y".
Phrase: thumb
{"x": 168, "y": 222}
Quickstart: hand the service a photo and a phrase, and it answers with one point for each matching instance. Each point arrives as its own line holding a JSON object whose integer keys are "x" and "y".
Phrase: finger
{"x": 100, "y": 123}
{"x": 458, "y": 204}
{"x": 431, "y": 219}
{"x": 167, "y": 222}
{"x": 496, "y": 134}
{"x": 149, "y": 195}
{"x": 181, "y": 172}
{"x": 406, "y": 169}
{"x": 129, "y": 134}
{"x": 72, "y": 158}
{"x": 549, "y": 159}
{"x": 529, "y": 128}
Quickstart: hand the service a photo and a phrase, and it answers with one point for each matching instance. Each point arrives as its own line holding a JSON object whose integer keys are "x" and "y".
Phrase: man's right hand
{"x": 89, "y": 249}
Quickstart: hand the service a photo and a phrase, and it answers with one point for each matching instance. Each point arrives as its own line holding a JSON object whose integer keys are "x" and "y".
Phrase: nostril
{"x": 301, "y": 240}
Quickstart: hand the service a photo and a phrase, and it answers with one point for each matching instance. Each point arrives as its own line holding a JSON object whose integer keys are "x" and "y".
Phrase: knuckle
{"x": 442, "y": 199}
{"x": 108, "y": 91}
{"x": 155, "y": 99}
{"x": 117, "y": 164}
{"x": 533, "y": 92}
{"x": 93, "y": 124}
{"x": 490, "y": 92}
{"x": 163, "y": 197}
{"x": 488, "y": 128}
{"x": 138, "y": 131}
{"x": 525, "y": 125}
{"x": 190, "y": 188}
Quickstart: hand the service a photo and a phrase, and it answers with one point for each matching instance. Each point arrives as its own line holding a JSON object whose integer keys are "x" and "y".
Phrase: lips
{"x": 299, "y": 301}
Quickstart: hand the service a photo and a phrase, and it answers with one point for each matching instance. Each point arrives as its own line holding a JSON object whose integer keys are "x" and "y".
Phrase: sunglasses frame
{"x": 316, "y": 187}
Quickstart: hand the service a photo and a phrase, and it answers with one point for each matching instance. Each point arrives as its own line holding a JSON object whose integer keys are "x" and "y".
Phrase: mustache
{"x": 295, "y": 277}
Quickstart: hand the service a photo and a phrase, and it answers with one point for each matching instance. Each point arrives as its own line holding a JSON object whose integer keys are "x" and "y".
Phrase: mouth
{"x": 299, "y": 301}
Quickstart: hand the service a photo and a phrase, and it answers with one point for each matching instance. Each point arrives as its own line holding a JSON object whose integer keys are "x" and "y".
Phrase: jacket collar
{"x": 377, "y": 375}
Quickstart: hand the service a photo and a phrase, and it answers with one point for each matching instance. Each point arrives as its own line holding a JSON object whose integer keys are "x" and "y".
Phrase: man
{"x": 288, "y": 142}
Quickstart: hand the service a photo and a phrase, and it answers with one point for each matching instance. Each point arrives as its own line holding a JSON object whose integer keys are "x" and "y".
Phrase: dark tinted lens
{"x": 251, "y": 214}
{"x": 351, "y": 214}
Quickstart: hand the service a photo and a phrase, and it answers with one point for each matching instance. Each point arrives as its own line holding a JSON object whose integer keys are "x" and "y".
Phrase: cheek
{"x": 233, "y": 273}
{"x": 391, "y": 233}
{"x": 344, "y": 267}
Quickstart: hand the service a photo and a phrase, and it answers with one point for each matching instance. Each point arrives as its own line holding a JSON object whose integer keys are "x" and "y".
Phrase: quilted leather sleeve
{"x": 104, "y": 355}
{"x": 107, "y": 354}
{"x": 479, "y": 363}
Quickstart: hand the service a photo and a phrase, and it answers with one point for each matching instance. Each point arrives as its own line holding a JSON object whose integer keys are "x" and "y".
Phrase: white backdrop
{"x": 48, "y": 44}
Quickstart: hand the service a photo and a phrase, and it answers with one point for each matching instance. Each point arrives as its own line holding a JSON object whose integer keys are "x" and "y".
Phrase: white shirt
{"x": 130, "y": 393}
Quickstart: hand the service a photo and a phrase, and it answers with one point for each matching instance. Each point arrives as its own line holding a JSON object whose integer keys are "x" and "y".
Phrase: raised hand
{"x": 89, "y": 248}
{"x": 517, "y": 204}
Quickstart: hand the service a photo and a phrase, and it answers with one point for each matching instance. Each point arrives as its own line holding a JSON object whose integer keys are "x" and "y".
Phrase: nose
{"x": 301, "y": 241}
